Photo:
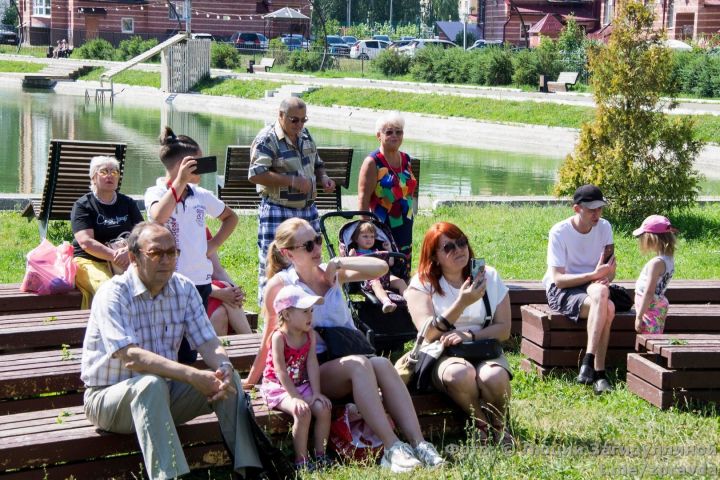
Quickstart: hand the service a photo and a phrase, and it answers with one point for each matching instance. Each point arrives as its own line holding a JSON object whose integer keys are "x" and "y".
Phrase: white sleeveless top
{"x": 664, "y": 279}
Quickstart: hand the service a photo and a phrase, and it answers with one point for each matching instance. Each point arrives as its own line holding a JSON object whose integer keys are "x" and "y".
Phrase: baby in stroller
{"x": 364, "y": 240}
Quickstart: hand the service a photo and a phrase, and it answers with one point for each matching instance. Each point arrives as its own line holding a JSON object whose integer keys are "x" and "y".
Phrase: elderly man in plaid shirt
{"x": 129, "y": 362}
{"x": 285, "y": 165}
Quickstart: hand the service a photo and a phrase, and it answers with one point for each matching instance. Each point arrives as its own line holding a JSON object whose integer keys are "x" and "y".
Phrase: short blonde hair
{"x": 662, "y": 243}
{"x": 392, "y": 118}
{"x": 96, "y": 163}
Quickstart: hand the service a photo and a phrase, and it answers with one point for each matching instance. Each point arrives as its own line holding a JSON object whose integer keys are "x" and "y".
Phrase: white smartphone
{"x": 477, "y": 267}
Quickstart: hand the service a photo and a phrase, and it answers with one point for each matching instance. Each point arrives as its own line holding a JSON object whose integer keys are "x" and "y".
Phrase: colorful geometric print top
{"x": 392, "y": 200}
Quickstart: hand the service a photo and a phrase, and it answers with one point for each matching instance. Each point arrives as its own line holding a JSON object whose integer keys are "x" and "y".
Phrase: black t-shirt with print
{"x": 106, "y": 221}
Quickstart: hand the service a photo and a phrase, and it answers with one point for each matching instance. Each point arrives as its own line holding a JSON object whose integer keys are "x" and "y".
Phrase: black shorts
{"x": 567, "y": 301}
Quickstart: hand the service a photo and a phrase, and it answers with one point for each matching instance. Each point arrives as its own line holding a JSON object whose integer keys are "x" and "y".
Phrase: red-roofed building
{"x": 44, "y": 22}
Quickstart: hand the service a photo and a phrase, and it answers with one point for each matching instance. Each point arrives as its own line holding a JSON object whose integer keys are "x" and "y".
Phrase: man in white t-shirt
{"x": 581, "y": 265}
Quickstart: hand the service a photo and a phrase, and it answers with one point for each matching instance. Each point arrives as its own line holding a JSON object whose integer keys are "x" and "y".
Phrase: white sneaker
{"x": 428, "y": 455}
{"x": 400, "y": 458}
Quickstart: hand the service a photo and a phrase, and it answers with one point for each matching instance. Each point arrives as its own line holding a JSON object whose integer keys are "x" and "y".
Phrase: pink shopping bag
{"x": 50, "y": 269}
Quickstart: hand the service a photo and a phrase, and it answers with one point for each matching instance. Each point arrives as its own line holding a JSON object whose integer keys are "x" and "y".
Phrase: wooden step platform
{"x": 61, "y": 442}
{"x": 13, "y": 301}
{"x": 673, "y": 369}
{"x": 550, "y": 340}
{"x": 52, "y": 329}
{"x": 26, "y": 379}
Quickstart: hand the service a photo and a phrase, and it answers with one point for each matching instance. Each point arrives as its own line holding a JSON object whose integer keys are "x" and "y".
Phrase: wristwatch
{"x": 227, "y": 364}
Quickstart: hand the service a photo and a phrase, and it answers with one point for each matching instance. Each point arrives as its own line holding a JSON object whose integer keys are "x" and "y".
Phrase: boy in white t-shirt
{"x": 181, "y": 205}
{"x": 581, "y": 265}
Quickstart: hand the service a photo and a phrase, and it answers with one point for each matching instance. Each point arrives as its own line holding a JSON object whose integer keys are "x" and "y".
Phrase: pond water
{"x": 29, "y": 120}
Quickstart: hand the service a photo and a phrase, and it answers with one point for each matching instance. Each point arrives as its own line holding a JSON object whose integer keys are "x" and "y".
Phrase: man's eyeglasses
{"x": 156, "y": 255}
{"x": 461, "y": 242}
{"x": 310, "y": 244}
{"x": 397, "y": 132}
{"x": 295, "y": 120}
{"x": 109, "y": 171}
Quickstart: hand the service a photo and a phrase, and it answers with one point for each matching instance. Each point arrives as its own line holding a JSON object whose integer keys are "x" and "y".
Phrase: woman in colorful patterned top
{"x": 386, "y": 185}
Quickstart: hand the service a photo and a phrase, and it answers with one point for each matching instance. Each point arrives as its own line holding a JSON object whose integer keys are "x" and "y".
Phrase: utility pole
{"x": 188, "y": 16}
{"x": 349, "y": 4}
{"x": 391, "y": 27}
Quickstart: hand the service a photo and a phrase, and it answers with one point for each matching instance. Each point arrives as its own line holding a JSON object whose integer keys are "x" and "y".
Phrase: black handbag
{"x": 621, "y": 298}
{"x": 343, "y": 341}
{"x": 477, "y": 351}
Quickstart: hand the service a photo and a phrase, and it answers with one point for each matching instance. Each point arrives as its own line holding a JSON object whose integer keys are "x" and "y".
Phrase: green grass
{"x": 129, "y": 77}
{"x": 566, "y": 431}
{"x": 20, "y": 67}
{"x": 252, "y": 89}
{"x": 40, "y": 52}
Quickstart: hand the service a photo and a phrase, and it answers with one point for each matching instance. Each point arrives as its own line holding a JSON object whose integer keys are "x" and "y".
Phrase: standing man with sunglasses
{"x": 285, "y": 165}
{"x": 130, "y": 360}
{"x": 581, "y": 265}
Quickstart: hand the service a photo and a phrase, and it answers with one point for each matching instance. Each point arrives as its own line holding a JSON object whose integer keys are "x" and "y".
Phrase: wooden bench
{"x": 53, "y": 329}
{"x": 563, "y": 83}
{"x": 551, "y": 341}
{"x": 61, "y": 442}
{"x": 264, "y": 66}
{"x": 66, "y": 178}
{"x": 238, "y": 192}
{"x": 13, "y": 301}
{"x": 675, "y": 369}
{"x": 25, "y": 378}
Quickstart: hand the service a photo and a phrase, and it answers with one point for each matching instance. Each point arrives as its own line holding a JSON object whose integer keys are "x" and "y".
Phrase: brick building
{"x": 46, "y": 21}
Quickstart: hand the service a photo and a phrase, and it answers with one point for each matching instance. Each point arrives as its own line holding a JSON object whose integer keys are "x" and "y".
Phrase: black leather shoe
{"x": 586, "y": 375}
{"x": 601, "y": 385}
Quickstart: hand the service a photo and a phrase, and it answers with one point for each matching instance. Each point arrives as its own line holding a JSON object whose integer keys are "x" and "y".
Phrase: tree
{"x": 639, "y": 156}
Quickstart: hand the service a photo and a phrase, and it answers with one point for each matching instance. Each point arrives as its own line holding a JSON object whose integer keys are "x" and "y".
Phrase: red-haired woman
{"x": 442, "y": 289}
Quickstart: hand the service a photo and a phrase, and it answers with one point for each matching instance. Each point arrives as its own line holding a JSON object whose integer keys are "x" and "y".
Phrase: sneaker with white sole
{"x": 428, "y": 455}
{"x": 400, "y": 458}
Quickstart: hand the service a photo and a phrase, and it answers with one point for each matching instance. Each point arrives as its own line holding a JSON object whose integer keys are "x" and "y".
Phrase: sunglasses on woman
{"x": 461, "y": 242}
{"x": 310, "y": 244}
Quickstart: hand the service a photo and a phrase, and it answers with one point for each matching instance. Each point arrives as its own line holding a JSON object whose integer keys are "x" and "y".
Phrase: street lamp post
{"x": 391, "y": 2}
{"x": 349, "y": 4}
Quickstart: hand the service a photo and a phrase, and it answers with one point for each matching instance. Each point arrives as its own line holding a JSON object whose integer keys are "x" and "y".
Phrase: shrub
{"x": 526, "y": 68}
{"x": 304, "y": 61}
{"x": 224, "y": 55}
{"x": 279, "y": 51}
{"x": 96, "y": 49}
{"x": 427, "y": 65}
{"x": 499, "y": 67}
{"x": 641, "y": 158}
{"x": 390, "y": 62}
{"x": 133, "y": 47}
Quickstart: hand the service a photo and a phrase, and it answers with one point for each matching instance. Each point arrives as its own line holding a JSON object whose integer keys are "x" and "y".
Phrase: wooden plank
{"x": 13, "y": 301}
{"x": 644, "y": 366}
{"x": 660, "y": 398}
{"x": 567, "y": 358}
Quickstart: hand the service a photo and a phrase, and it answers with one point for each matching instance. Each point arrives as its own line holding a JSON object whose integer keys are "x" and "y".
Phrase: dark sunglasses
{"x": 390, "y": 132}
{"x": 294, "y": 120}
{"x": 156, "y": 255}
{"x": 310, "y": 244}
{"x": 461, "y": 242}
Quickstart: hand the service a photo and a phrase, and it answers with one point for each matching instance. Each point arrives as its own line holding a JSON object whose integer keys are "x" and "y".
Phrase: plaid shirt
{"x": 124, "y": 313}
{"x": 273, "y": 151}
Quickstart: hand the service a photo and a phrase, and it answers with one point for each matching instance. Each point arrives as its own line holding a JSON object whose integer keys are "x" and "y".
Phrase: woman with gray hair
{"x": 98, "y": 217}
{"x": 386, "y": 184}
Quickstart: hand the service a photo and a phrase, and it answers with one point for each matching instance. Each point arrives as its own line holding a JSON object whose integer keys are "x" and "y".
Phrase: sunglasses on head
{"x": 461, "y": 242}
{"x": 397, "y": 132}
{"x": 310, "y": 244}
{"x": 294, "y": 120}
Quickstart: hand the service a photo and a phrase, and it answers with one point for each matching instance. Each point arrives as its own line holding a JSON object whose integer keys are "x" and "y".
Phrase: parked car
{"x": 485, "y": 43}
{"x": 292, "y": 43}
{"x": 384, "y": 38}
{"x": 249, "y": 41}
{"x": 416, "y": 45}
{"x": 304, "y": 43}
{"x": 8, "y": 36}
{"x": 400, "y": 43}
{"x": 337, "y": 46}
{"x": 349, "y": 40}
{"x": 367, "y": 49}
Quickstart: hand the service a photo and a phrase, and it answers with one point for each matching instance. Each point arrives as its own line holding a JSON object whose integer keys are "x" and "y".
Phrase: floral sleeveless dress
{"x": 392, "y": 200}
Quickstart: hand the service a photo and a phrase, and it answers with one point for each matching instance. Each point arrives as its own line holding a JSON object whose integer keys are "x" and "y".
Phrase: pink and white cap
{"x": 655, "y": 224}
{"x": 294, "y": 296}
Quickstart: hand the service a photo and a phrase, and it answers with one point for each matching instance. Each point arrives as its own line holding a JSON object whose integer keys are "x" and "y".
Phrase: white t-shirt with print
{"x": 474, "y": 314}
{"x": 576, "y": 252}
{"x": 187, "y": 224}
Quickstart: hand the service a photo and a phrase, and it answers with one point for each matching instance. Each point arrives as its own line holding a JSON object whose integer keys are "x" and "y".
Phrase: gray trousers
{"x": 151, "y": 406}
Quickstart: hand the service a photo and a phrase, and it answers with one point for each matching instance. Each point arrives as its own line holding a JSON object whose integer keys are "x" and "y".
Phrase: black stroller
{"x": 385, "y": 331}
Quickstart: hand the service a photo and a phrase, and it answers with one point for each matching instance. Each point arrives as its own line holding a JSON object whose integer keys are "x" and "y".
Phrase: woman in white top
{"x": 442, "y": 289}
{"x": 295, "y": 257}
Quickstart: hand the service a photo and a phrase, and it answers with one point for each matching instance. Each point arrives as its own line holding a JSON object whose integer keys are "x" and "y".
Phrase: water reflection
{"x": 30, "y": 119}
